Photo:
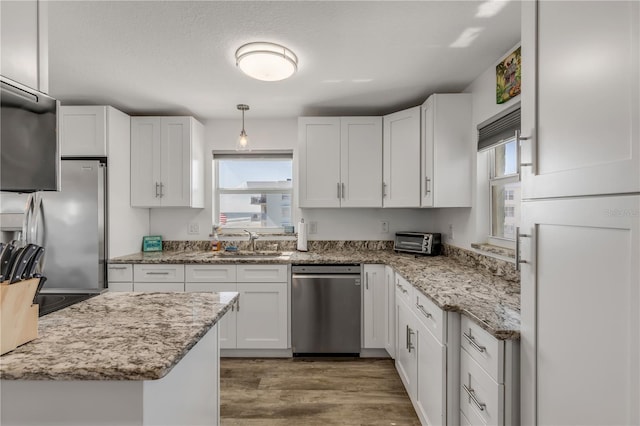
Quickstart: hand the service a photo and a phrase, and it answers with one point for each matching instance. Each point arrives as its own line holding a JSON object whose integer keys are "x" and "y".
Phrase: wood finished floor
{"x": 312, "y": 392}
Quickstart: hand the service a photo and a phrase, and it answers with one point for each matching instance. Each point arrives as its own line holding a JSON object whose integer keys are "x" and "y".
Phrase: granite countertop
{"x": 490, "y": 301}
{"x": 117, "y": 336}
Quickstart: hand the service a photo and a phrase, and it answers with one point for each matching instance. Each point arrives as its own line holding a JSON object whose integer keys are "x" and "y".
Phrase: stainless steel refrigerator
{"x": 71, "y": 225}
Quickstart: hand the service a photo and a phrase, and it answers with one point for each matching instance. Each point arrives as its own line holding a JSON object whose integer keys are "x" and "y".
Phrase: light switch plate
{"x": 313, "y": 227}
{"x": 194, "y": 228}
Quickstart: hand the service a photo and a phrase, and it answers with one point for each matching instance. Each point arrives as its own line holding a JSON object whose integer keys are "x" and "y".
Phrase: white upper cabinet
{"x": 447, "y": 151}
{"x": 83, "y": 130}
{"x": 167, "y": 162}
{"x": 361, "y": 161}
{"x": 580, "y": 98}
{"x": 401, "y": 154}
{"x": 23, "y": 35}
{"x": 340, "y": 161}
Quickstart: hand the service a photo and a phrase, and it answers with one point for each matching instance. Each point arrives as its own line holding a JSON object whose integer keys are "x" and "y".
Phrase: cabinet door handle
{"x": 117, "y": 267}
{"x": 157, "y": 186}
{"x": 410, "y": 345}
{"x": 343, "y": 191}
{"x": 518, "y": 236}
{"x": 401, "y": 288}
{"x": 421, "y": 309}
{"x": 238, "y": 304}
{"x": 472, "y": 342}
{"x": 339, "y": 195}
{"x": 157, "y": 273}
{"x": 519, "y": 139}
{"x": 366, "y": 280}
{"x": 161, "y": 189}
{"x": 384, "y": 190}
{"x": 427, "y": 187}
{"x": 406, "y": 337}
{"x": 472, "y": 395}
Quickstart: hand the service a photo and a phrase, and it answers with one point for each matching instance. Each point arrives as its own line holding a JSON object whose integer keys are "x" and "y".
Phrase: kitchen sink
{"x": 253, "y": 255}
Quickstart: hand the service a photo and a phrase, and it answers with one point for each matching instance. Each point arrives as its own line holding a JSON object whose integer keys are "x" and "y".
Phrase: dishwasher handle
{"x": 316, "y": 276}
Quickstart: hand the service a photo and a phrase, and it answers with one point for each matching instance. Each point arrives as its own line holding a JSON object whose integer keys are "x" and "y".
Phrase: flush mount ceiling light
{"x": 266, "y": 61}
{"x": 243, "y": 139}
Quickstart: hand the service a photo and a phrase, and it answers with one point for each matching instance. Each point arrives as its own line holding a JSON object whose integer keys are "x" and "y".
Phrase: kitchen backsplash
{"x": 497, "y": 267}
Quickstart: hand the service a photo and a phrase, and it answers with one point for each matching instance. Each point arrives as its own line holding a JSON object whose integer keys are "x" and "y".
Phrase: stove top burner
{"x": 51, "y": 302}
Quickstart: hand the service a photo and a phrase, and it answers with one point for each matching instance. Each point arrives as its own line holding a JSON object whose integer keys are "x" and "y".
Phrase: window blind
{"x": 498, "y": 130}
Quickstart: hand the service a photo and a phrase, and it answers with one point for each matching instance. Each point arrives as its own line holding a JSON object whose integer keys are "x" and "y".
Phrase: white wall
{"x": 281, "y": 134}
{"x": 472, "y": 225}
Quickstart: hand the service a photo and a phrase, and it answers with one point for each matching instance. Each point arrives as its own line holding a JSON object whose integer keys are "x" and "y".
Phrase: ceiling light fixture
{"x": 243, "y": 139}
{"x": 266, "y": 61}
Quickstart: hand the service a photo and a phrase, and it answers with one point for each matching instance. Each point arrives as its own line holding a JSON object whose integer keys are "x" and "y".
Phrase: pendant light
{"x": 243, "y": 139}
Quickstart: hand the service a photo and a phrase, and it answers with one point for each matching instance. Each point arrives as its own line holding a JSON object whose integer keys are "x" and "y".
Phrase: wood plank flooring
{"x": 304, "y": 392}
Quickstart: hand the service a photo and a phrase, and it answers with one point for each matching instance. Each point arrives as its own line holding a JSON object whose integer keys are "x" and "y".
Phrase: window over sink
{"x": 252, "y": 191}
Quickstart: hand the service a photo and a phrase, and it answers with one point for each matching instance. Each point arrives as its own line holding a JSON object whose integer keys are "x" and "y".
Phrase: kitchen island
{"x": 119, "y": 358}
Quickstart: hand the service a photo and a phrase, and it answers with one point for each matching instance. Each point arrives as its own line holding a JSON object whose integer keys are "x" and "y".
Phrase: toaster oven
{"x": 426, "y": 243}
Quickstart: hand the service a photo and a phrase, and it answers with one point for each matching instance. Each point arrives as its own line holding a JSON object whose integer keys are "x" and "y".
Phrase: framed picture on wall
{"x": 508, "y": 77}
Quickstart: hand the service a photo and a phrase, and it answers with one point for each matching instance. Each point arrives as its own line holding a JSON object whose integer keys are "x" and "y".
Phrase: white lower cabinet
{"x": 432, "y": 377}
{"x": 406, "y": 356}
{"x": 481, "y": 397}
{"x": 227, "y": 325}
{"x": 262, "y": 316}
{"x": 120, "y": 277}
{"x": 390, "y": 311}
{"x": 373, "y": 307}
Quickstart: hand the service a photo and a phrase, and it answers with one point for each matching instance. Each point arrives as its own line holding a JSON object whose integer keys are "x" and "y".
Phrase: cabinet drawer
{"x": 118, "y": 286}
{"x": 262, "y": 273}
{"x": 120, "y": 273}
{"x": 209, "y": 287}
{"x": 482, "y": 347}
{"x": 210, "y": 273}
{"x": 158, "y": 273}
{"x": 489, "y": 395}
{"x": 404, "y": 290}
{"x": 430, "y": 315}
{"x": 161, "y": 287}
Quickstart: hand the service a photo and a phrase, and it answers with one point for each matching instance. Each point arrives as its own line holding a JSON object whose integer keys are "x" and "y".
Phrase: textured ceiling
{"x": 357, "y": 57}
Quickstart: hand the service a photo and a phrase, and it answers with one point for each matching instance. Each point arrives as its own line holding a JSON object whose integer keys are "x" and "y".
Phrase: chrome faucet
{"x": 253, "y": 236}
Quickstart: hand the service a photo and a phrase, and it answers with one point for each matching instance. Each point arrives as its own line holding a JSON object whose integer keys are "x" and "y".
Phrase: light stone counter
{"x": 489, "y": 300}
{"x": 117, "y": 336}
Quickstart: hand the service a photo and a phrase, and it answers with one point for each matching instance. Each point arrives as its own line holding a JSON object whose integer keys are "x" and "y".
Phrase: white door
{"x": 374, "y": 304}
{"x": 226, "y": 325}
{"x": 401, "y": 158}
{"x": 390, "y": 312}
{"x": 580, "y": 324}
{"x": 262, "y": 316}
{"x": 361, "y": 161}
{"x": 83, "y": 130}
{"x": 319, "y": 161}
{"x": 432, "y": 377}
{"x": 583, "y": 117}
{"x": 175, "y": 184}
{"x": 145, "y": 161}
{"x": 406, "y": 356}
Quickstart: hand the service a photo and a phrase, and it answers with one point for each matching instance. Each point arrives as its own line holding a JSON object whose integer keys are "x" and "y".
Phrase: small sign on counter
{"x": 152, "y": 243}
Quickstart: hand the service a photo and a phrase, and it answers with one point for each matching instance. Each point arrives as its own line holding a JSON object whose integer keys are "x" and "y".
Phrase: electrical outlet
{"x": 451, "y": 237}
{"x": 194, "y": 228}
{"x": 313, "y": 227}
{"x": 384, "y": 226}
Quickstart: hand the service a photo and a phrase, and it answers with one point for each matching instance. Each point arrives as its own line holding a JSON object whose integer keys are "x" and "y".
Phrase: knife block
{"x": 18, "y": 314}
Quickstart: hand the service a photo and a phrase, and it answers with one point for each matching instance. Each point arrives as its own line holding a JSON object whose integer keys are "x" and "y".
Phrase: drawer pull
{"x": 117, "y": 267}
{"x": 401, "y": 288}
{"x": 410, "y": 346}
{"x": 472, "y": 395}
{"x": 421, "y": 309}
{"x": 472, "y": 342}
{"x": 157, "y": 273}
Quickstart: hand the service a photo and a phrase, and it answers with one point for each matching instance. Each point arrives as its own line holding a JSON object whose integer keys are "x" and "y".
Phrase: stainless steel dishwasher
{"x": 325, "y": 310}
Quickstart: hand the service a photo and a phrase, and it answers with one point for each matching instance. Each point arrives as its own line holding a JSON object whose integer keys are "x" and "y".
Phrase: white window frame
{"x": 501, "y": 180}
{"x": 217, "y": 191}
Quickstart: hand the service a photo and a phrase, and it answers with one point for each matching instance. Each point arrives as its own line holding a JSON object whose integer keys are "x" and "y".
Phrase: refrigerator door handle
{"x": 26, "y": 222}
